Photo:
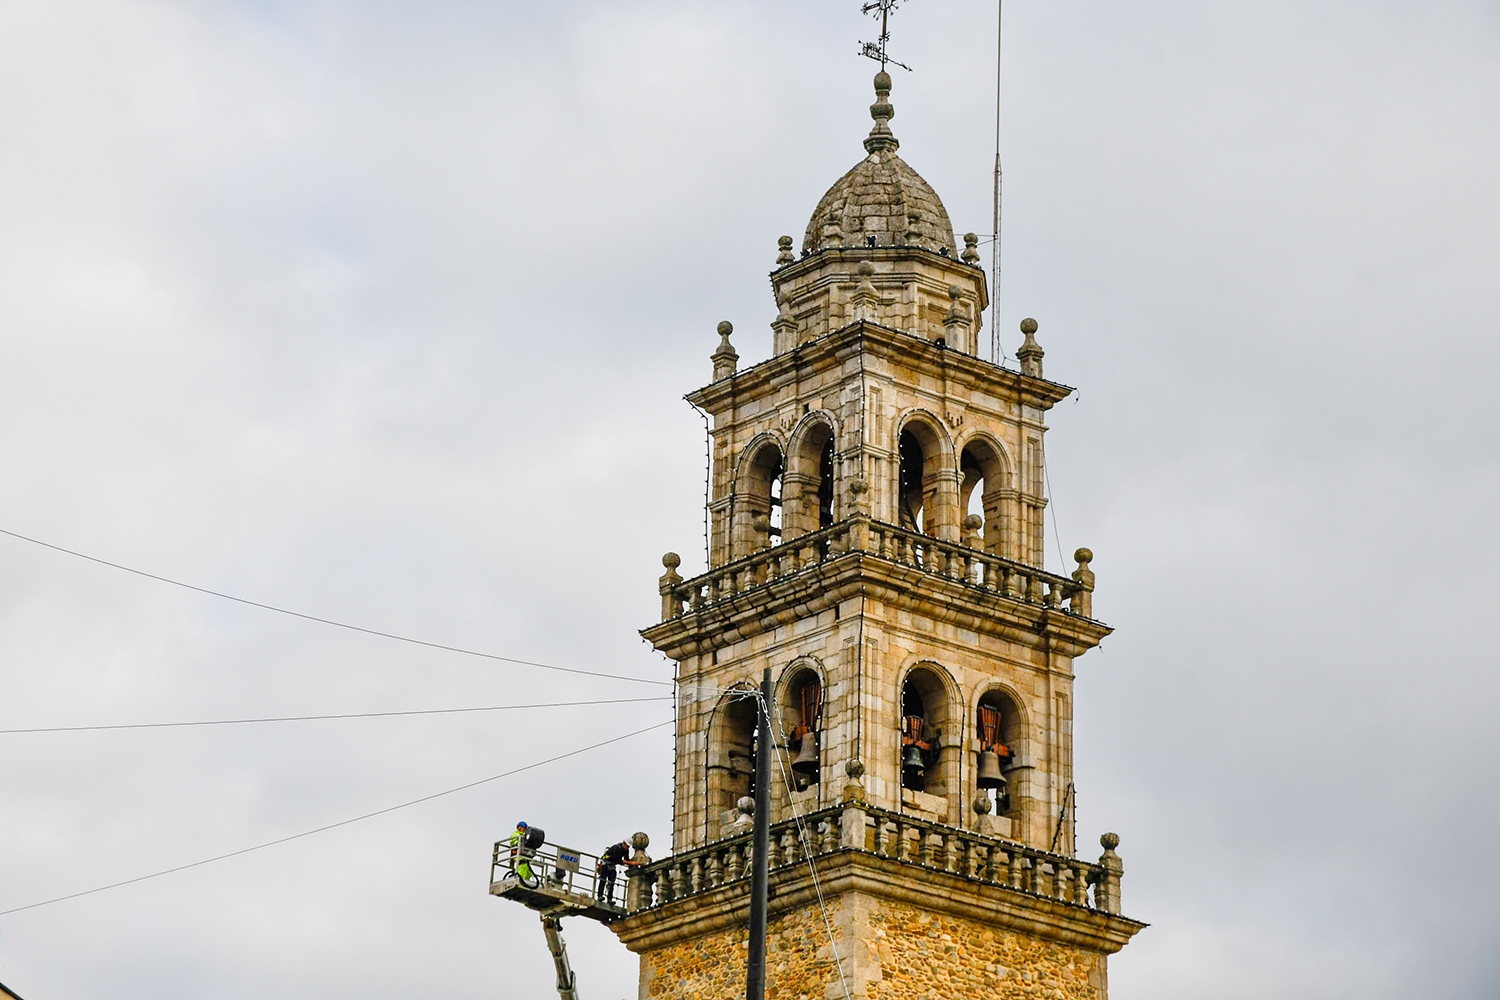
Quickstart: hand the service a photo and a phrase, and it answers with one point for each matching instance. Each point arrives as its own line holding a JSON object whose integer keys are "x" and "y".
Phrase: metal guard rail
{"x": 575, "y": 872}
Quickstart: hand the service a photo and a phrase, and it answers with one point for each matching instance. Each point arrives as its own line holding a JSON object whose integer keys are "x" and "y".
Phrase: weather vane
{"x": 876, "y": 50}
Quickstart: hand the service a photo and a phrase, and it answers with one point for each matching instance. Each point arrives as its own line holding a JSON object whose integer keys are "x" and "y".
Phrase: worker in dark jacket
{"x": 609, "y": 862}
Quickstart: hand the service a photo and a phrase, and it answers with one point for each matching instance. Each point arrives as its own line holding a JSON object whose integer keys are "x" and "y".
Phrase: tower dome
{"x": 881, "y": 199}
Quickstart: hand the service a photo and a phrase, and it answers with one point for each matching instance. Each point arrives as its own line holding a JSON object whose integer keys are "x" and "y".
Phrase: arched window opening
{"x": 825, "y": 485}
{"x": 923, "y": 715}
{"x": 927, "y": 498}
{"x": 981, "y": 492}
{"x": 971, "y": 485}
{"x": 810, "y": 481}
{"x": 758, "y": 501}
{"x": 732, "y": 763}
{"x": 912, "y": 463}
{"x": 802, "y": 721}
{"x": 995, "y": 726}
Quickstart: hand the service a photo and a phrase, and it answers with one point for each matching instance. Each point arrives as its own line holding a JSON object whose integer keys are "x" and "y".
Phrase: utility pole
{"x": 755, "y": 967}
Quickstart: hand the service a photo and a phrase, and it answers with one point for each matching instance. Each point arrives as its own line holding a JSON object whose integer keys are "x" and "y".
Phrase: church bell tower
{"x": 876, "y": 541}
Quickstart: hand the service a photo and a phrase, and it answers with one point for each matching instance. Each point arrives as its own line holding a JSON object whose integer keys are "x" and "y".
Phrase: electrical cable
{"x": 350, "y": 715}
{"x": 807, "y": 850}
{"x": 329, "y": 621}
{"x": 1062, "y": 560}
{"x": 334, "y": 826}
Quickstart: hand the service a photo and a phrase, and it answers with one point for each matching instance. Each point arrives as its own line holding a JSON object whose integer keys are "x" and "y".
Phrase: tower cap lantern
{"x": 881, "y": 201}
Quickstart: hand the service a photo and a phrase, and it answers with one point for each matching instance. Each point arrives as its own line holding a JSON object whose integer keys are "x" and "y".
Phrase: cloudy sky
{"x": 383, "y": 312}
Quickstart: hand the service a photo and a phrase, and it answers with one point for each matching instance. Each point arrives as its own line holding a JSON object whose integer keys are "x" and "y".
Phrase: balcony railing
{"x": 896, "y": 837}
{"x": 971, "y": 567}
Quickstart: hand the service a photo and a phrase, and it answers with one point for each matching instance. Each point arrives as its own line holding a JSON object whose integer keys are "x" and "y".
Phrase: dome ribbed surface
{"x": 884, "y": 198}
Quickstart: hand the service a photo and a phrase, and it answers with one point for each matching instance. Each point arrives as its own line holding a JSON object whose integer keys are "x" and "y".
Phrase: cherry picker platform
{"x": 556, "y": 882}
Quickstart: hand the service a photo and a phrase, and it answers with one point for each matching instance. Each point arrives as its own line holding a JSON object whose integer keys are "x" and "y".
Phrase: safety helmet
{"x": 522, "y": 825}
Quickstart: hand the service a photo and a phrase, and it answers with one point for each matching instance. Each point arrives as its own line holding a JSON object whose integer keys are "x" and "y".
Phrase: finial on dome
{"x": 880, "y": 137}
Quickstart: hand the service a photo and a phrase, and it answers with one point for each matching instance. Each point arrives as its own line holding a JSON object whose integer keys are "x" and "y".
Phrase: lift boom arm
{"x": 552, "y": 927}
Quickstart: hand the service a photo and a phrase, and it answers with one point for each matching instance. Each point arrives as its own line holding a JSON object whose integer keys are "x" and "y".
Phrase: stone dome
{"x": 880, "y": 197}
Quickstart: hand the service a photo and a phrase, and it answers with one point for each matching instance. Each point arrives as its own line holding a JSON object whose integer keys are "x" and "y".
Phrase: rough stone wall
{"x": 798, "y": 963}
{"x": 890, "y": 951}
{"x": 924, "y": 956}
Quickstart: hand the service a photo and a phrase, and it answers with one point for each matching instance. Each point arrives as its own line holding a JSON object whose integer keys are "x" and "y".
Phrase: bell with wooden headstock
{"x": 806, "y": 761}
{"x": 989, "y": 775}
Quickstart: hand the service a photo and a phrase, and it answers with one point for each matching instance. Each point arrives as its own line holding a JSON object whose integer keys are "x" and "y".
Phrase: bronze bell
{"x": 806, "y": 761}
{"x": 989, "y": 775}
{"x": 912, "y": 762}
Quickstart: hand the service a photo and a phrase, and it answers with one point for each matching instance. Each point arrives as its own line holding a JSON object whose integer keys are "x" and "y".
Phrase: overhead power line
{"x": 349, "y": 715}
{"x": 332, "y": 826}
{"x": 329, "y": 621}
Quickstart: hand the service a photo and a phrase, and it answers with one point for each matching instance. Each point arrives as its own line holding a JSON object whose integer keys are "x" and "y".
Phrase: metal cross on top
{"x": 876, "y": 50}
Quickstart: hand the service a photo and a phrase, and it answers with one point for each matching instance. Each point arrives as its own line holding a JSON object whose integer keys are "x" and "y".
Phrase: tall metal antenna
{"x": 995, "y": 350}
{"x": 876, "y": 50}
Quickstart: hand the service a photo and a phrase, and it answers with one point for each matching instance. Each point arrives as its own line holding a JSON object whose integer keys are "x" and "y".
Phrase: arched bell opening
{"x": 926, "y": 489}
{"x": 758, "y": 499}
{"x": 802, "y": 723}
{"x": 731, "y": 756}
{"x": 984, "y": 486}
{"x": 996, "y": 730}
{"x": 925, "y": 715}
{"x": 810, "y": 480}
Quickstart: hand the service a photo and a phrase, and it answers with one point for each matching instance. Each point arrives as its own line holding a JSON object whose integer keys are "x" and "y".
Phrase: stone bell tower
{"x": 877, "y": 542}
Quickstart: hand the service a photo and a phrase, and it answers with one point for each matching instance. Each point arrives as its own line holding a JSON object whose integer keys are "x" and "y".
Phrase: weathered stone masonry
{"x": 876, "y": 540}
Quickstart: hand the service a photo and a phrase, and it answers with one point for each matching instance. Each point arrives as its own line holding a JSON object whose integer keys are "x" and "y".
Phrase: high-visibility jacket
{"x": 519, "y": 854}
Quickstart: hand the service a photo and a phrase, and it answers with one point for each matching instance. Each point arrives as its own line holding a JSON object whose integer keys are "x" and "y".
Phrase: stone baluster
{"x": 1062, "y": 881}
{"x": 951, "y": 847}
{"x": 1016, "y": 875}
{"x": 773, "y": 853}
{"x": 1013, "y": 582}
{"x": 990, "y": 854}
{"x": 1081, "y": 885}
{"x": 638, "y": 890}
{"x": 1107, "y": 888}
{"x": 1034, "y": 590}
{"x": 671, "y": 601}
{"x": 900, "y": 852}
{"x": 695, "y": 874}
{"x": 1082, "y": 602}
{"x": 830, "y": 831}
{"x": 926, "y": 846}
{"x": 789, "y": 845}
{"x": 731, "y": 862}
{"x": 879, "y": 842}
{"x": 715, "y": 870}
{"x": 664, "y": 887}
{"x": 1054, "y": 596}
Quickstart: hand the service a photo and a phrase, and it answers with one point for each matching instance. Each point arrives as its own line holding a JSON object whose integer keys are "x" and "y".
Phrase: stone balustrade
{"x": 893, "y": 836}
{"x": 971, "y": 567}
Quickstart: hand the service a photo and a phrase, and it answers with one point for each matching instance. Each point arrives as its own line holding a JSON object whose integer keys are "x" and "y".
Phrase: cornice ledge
{"x": 862, "y": 873}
